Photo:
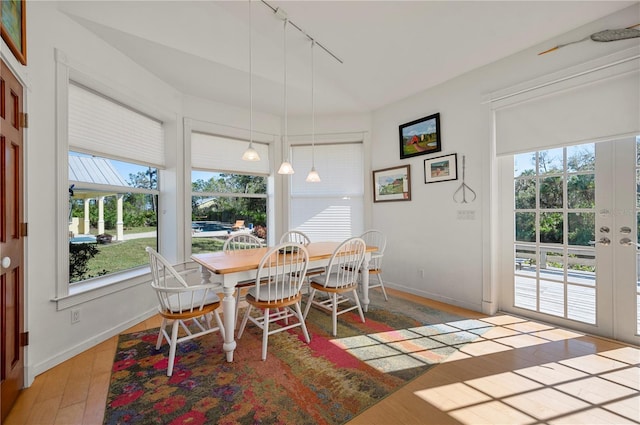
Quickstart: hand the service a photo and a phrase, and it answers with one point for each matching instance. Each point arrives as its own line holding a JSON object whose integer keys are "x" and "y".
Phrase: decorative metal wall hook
{"x": 464, "y": 188}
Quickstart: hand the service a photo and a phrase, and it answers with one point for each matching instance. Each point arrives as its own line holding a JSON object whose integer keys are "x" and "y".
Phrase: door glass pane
{"x": 552, "y": 263}
{"x": 551, "y": 161}
{"x": 581, "y": 158}
{"x": 525, "y": 191}
{"x": 582, "y": 266}
{"x": 551, "y": 227}
{"x": 526, "y": 226}
{"x": 583, "y": 304}
{"x": 525, "y": 256}
{"x": 525, "y": 292}
{"x": 524, "y": 164}
{"x": 581, "y": 191}
{"x": 551, "y": 192}
{"x": 552, "y": 298}
{"x": 582, "y": 228}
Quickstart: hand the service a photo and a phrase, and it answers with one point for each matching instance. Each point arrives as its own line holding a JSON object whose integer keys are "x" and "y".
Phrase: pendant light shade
{"x": 250, "y": 154}
{"x": 313, "y": 176}
{"x": 285, "y": 167}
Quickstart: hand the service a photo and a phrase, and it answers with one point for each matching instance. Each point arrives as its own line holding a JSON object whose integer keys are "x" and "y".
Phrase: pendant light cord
{"x": 250, "y": 80}
{"x": 285, "y": 153}
{"x": 313, "y": 110}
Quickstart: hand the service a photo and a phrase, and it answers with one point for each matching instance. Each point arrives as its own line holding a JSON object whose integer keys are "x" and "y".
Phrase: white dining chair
{"x": 376, "y": 238}
{"x": 183, "y": 306}
{"x": 301, "y": 238}
{"x": 276, "y": 292}
{"x": 237, "y": 242}
{"x": 340, "y": 277}
{"x": 295, "y": 236}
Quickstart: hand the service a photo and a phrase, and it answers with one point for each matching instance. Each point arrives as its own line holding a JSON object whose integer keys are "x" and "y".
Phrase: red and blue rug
{"x": 328, "y": 381}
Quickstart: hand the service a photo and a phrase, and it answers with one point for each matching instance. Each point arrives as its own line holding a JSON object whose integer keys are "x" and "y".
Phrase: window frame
{"x": 66, "y": 71}
{"x": 230, "y": 132}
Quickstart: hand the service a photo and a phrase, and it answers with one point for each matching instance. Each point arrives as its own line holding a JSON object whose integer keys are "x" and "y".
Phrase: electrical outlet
{"x": 421, "y": 273}
{"x": 75, "y": 315}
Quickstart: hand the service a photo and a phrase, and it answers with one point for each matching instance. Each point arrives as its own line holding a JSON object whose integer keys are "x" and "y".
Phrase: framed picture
{"x": 392, "y": 184}
{"x": 441, "y": 169}
{"x": 420, "y": 137}
{"x": 13, "y": 28}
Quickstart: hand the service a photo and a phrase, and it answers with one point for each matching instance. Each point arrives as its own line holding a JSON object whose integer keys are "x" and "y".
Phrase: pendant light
{"x": 313, "y": 176}
{"x": 250, "y": 154}
{"x": 285, "y": 167}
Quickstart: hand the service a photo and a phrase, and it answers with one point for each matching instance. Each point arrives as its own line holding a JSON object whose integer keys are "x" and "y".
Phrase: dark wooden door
{"x": 11, "y": 240}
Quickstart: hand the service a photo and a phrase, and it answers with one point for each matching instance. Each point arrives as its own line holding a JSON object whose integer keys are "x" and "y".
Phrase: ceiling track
{"x": 280, "y": 13}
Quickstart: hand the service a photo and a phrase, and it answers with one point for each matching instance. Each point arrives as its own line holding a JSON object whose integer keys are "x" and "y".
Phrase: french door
{"x": 574, "y": 245}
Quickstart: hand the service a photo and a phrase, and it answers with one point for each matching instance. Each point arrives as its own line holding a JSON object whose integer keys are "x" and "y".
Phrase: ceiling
{"x": 389, "y": 49}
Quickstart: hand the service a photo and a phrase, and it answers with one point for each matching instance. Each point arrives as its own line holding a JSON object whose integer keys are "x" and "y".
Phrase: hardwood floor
{"x": 519, "y": 372}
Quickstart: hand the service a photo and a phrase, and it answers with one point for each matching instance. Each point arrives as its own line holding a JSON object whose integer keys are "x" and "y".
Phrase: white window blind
{"x": 100, "y": 125}
{"x": 591, "y": 106}
{"x": 333, "y": 208}
{"x": 211, "y": 152}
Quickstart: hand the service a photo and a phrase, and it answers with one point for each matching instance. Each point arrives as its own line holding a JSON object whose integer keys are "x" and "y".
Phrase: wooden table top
{"x": 220, "y": 262}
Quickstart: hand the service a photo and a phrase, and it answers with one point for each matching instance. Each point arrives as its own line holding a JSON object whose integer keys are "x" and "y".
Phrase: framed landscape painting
{"x": 13, "y": 28}
{"x": 441, "y": 169}
{"x": 420, "y": 137}
{"x": 392, "y": 184}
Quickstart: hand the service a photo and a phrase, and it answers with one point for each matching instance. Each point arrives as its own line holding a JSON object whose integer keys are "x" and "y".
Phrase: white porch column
{"x": 119, "y": 220}
{"x": 101, "y": 215}
{"x": 87, "y": 223}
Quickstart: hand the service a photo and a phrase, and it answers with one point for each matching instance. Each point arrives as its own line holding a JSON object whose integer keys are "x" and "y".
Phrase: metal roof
{"x": 94, "y": 170}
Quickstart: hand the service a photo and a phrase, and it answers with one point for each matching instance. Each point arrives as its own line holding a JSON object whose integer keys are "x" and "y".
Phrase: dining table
{"x": 230, "y": 267}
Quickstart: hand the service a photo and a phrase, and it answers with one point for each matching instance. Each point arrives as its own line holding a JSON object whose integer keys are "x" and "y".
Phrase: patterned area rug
{"x": 328, "y": 381}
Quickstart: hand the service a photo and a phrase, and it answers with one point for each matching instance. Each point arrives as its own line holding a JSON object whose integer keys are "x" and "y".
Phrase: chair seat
{"x": 269, "y": 293}
{"x": 330, "y": 282}
{"x": 202, "y": 302}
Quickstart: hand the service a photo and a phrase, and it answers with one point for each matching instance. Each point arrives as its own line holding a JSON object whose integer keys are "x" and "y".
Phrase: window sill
{"x": 102, "y": 286}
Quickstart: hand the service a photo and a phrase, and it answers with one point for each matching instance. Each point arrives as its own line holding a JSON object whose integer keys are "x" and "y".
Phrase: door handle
{"x": 627, "y": 242}
{"x": 6, "y": 262}
{"x": 604, "y": 241}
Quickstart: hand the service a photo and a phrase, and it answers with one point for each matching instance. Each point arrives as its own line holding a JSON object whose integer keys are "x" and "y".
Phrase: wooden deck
{"x": 580, "y": 303}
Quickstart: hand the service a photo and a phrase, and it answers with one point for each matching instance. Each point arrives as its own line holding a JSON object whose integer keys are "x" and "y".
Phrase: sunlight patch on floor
{"x": 602, "y": 388}
{"x": 452, "y": 341}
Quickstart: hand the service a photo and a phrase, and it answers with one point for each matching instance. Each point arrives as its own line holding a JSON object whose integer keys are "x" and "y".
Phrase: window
{"x": 114, "y": 156}
{"x": 228, "y": 195}
{"x": 112, "y": 218}
{"x": 333, "y": 208}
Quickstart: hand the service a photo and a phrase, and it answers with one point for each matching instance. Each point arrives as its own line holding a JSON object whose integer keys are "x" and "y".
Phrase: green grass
{"x": 199, "y": 245}
{"x": 119, "y": 256}
{"x": 127, "y": 230}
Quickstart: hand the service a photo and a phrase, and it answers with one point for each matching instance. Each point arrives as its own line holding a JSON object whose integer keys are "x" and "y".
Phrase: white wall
{"x": 423, "y": 233}
{"x": 53, "y": 338}
{"x": 457, "y": 255}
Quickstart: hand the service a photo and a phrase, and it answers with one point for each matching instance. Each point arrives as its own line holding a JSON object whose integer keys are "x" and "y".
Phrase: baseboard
{"x": 34, "y": 370}
{"x": 435, "y": 297}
